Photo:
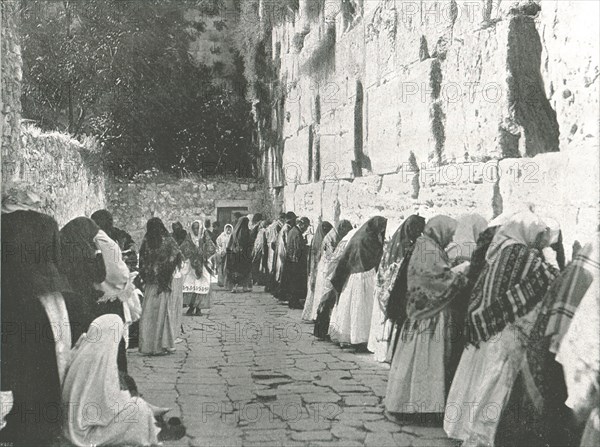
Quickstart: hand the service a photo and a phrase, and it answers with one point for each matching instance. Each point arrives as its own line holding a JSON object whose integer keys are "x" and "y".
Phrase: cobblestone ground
{"x": 252, "y": 374}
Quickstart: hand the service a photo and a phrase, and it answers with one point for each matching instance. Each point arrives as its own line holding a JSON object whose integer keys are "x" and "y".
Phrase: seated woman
{"x": 99, "y": 412}
{"x": 395, "y": 250}
{"x": 502, "y": 309}
{"x": 33, "y": 367}
{"x": 97, "y": 274}
{"x": 354, "y": 282}
{"x": 420, "y": 369}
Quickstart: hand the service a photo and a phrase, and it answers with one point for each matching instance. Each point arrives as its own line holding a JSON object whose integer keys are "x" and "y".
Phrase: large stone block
{"x": 564, "y": 186}
{"x": 308, "y": 200}
{"x": 571, "y": 45}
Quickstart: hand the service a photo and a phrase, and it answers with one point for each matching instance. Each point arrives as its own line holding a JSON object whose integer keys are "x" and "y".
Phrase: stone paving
{"x": 252, "y": 374}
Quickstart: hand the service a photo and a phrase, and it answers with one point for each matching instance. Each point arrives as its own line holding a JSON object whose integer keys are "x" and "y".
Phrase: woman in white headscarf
{"x": 503, "y": 307}
{"x": 98, "y": 411}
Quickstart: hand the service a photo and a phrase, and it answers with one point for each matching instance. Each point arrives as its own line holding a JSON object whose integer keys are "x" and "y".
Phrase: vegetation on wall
{"x": 122, "y": 71}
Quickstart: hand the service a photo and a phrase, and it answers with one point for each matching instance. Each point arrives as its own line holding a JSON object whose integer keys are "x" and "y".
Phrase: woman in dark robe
{"x": 386, "y": 291}
{"x": 314, "y": 256}
{"x": 238, "y": 262}
{"x": 34, "y": 357}
{"x": 160, "y": 261}
{"x": 354, "y": 282}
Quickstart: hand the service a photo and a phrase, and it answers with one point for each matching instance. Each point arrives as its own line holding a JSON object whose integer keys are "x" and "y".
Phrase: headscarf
{"x": 362, "y": 253}
{"x": 404, "y": 238}
{"x": 514, "y": 280}
{"x": 239, "y": 248}
{"x": 468, "y": 229}
{"x": 431, "y": 284}
{"x": 104, "y": 220}
{"x": 82, "y": 262}
{"x": 223, "y": 239}
{"x": 30, "y": 256}
{"x": 395, "y": 251}
{"x": 95, "y": 356}
{"x": 520, "y": 228}
{"x": 179, "y": 234}
{"x": 314, "y": 255}
{"x": 159, "y": 255}
{"x": 506, "y": 215}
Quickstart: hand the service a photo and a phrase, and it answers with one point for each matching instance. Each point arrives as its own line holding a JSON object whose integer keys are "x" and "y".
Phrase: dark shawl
{"x": 191, "y": 252}
{"x": 83, "y": 266}
{"x": 30, "y": 252}
{"x": 362, "y": 253}
{"x": 104, "y": 220}
{"x": 159, "y": 256}
{"x": 314, "y": 254}
{"x": 392, "y": 274}
{"x": 239, "y": 249}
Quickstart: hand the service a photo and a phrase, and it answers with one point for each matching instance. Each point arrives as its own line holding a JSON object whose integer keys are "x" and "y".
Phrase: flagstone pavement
{"x": 252, "y": 374}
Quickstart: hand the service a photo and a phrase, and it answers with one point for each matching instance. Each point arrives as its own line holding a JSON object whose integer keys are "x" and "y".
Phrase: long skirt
{"x": 483, "y": 383}
{"x": 379, "y": 335}
{"x": 157, "y": 325}
{"x": 418, "y": 380}
{"x": 351, "y": 317}
{"x": 320, "y": 292}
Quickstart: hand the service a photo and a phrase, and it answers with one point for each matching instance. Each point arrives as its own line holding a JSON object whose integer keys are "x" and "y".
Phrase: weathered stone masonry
{"x": 440, "y": 107}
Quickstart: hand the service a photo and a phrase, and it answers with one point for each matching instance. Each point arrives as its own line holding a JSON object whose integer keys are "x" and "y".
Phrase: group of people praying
{"x": 483, "y": 322}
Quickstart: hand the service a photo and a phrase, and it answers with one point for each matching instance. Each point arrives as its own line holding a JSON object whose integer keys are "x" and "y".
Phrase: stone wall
{"x": 65, "y": 173}
{"x": 442, "y": 106}
{"x": 185, "y": 200}
{"x": 10, "y": 69}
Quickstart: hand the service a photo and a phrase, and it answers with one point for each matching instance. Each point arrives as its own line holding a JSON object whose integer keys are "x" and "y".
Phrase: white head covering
{"x": 196, "y": 239}
{"x": 520, "y": 228}
{"x": 554, "y": 227}
{"x": 500, "y": 220}
{"x": 117, "y": 272}
{"x": 96, "y": 407}
{"x": 468, "y": 228}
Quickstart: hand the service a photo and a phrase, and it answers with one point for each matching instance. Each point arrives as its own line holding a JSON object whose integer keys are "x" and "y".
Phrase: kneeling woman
{"x": 354, "y": 282}
{"x": 418, "y": 379}
{"x": 503, "y": 308}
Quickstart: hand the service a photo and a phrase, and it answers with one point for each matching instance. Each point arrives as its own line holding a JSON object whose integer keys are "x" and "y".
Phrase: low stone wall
{"x": 184, "y": 200}
{"x": 66, "y": 173}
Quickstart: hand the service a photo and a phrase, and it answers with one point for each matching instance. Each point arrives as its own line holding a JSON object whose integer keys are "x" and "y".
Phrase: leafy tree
{"x": 121, "y": 70}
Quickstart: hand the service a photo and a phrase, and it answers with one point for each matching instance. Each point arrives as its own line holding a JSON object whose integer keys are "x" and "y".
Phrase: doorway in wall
{"x": 225, "y": 214}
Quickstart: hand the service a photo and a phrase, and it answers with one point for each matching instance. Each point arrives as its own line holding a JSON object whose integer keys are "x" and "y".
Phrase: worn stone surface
{"x": 239, "y": 379}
